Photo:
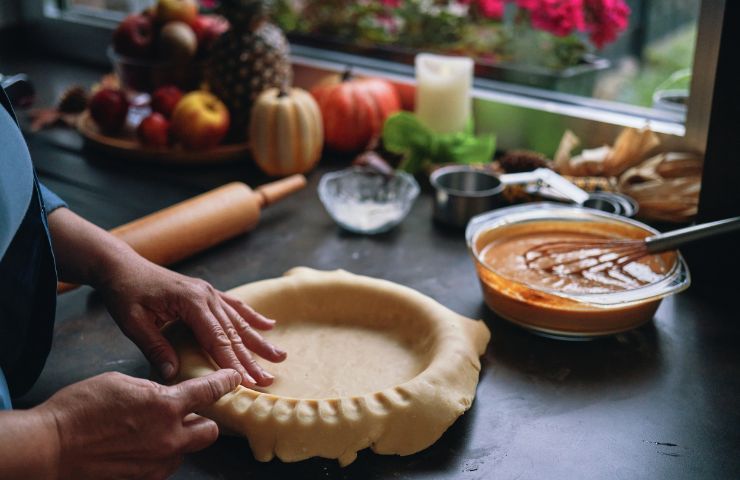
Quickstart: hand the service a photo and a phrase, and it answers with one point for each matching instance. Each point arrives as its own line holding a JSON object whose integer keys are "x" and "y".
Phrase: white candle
{"x": 443, "y": 91}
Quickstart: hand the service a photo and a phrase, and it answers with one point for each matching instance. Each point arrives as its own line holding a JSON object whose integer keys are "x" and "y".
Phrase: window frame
{"x": 71, "y": 33}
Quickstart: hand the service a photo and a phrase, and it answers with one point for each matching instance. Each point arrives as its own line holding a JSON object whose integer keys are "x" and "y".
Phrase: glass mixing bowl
{"x": 563, "y": 314}
{"x": 361, "y": 200}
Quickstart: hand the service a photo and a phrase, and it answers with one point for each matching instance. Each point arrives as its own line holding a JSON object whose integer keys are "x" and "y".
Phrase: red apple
{"x": 154, "y": 130}
{"x": 108, "y": 108}
{"x": 177, "y": 10}
{"x": 177, "y": 42}
{"x": 134, "y": 37}
{"x": 200, "y": 120}
{"x": 164, "y": 99}
{"x": 207, "y": 29}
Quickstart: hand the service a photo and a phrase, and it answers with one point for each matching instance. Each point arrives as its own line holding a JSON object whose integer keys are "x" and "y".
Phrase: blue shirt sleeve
{"x": 51, "y": 199}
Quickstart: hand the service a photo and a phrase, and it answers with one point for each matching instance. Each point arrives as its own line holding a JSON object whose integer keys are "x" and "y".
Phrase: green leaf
{"x": 469, "y": 149}
{"x": 413, "y": 162}
{"x": 403, "y": 131}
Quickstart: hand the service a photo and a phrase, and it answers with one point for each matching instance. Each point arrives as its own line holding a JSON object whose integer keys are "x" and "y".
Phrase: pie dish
{"x": 370, "y": 364}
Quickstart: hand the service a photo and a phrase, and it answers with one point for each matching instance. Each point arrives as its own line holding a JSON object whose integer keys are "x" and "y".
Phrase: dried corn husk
{"x": 678, "y": 164}
{"x": 666, "y": 186}
{"x": 630, "y": 148}
{"x": 562, "y": 157}
{"x": 589, "y": 163}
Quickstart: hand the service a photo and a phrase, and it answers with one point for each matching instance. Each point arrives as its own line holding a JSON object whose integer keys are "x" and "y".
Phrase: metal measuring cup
{"x": 462, "y": 191}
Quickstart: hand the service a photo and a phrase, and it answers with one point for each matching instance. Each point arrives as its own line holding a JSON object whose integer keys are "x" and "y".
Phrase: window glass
{"x": 638, "y": 52}
{"x": 635, "y": 52}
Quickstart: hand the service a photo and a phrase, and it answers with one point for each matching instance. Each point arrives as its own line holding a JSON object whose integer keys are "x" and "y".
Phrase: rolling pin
{"x": 186, "y": 228}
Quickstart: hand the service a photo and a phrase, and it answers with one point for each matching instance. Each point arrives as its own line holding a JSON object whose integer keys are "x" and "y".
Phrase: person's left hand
{"x": 142, "y": 297}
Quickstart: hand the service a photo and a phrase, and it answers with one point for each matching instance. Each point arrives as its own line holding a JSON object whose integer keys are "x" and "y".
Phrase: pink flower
{"x": 606, "y": 19}
{"x": 528, "y": 4}
{"x": 492, "y": 8}
{"x": 559, "y": 17}
{"x": 389, "y": 23}
{"x": 391, "y": 3}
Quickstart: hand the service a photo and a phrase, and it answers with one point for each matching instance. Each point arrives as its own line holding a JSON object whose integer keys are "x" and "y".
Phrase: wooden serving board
{"x": 127, "y": 146}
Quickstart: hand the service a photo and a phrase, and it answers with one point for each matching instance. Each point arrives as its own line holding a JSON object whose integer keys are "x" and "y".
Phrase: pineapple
{"x": 252, "y": 56}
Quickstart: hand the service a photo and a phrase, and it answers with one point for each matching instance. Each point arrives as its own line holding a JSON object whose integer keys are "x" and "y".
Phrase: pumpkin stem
{"x": 283, "y": 92}
{"x": 347, "y": 74}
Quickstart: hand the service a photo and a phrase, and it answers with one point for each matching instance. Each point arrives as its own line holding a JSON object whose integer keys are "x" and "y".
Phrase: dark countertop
{"x": 658, "y": 402}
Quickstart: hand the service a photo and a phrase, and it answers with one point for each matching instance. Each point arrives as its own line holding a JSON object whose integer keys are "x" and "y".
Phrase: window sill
{"x": 521, "y": 117}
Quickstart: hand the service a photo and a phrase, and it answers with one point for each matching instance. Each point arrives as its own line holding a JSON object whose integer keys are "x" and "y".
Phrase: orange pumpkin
{"x": 354, "y": 110}
{"x": 407, "y": 94}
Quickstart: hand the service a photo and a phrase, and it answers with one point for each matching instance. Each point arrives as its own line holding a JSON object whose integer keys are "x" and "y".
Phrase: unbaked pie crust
{"x": 370, "y": 364}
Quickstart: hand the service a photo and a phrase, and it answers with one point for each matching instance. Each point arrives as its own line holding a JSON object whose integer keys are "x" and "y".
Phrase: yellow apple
{"x": 200, "y": 120}
{"x": 177, "y": 10}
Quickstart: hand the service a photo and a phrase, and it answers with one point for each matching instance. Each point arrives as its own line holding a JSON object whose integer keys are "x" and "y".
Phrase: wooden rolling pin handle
{"x": 276, "y": 191}
{"x": 194, "y": 225}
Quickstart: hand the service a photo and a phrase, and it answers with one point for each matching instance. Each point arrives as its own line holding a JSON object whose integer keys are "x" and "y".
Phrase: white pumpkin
{"x": 286, "y": 133}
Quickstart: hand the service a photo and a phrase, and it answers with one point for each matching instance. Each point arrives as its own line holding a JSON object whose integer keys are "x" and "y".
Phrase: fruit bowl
{"x": 145, "y": 75}
{"x": 126, "y": 145}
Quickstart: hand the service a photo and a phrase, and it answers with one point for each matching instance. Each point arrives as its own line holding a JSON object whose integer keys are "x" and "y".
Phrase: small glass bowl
{"x": 557, "y": 313}
{"x": 361, "y": 200}
{"x": 145, "y": 75}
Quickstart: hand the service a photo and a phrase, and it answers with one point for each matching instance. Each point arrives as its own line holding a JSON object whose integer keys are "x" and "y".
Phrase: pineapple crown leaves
{"x": 245, "y": 15}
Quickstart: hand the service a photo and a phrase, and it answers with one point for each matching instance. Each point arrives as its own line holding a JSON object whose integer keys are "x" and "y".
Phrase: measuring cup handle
{"x": 562, "y": 185}
{"x": 519, "y": 178}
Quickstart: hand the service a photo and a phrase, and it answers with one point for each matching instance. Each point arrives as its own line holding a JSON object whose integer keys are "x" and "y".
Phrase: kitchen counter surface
{"x": 658, "y": 402}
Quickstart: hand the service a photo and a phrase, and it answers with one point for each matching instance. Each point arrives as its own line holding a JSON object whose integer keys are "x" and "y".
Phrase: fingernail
{"x": 168, "y": 370}
{"x": 279, "y": 353}
{"x": 267, "y": 375}
{"x": 248, "y": 378}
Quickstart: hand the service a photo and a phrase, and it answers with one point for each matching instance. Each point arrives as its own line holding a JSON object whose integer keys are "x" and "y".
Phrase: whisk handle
{"x": 683, "y": 236}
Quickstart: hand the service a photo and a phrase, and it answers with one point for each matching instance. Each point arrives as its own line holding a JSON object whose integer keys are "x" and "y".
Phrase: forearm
{"x": 29, "y": 446}
{"x": 85, "y": 253}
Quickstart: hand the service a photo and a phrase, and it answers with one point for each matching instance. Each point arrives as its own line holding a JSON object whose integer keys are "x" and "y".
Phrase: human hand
{"x": 116, "y": 426}
{"x": 142, "y": 297}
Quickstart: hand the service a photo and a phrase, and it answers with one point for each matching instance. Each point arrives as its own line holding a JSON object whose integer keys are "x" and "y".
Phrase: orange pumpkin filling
{"x": 535, "y": 298}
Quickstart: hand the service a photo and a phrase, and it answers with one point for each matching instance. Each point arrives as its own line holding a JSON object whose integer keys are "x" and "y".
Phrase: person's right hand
{"x": 116, "y": 426}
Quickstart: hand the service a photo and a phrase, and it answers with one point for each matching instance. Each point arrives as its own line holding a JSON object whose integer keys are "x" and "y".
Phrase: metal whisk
{"x": 579, "y": 257}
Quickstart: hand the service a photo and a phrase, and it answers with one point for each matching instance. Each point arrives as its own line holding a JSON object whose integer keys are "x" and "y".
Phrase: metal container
{"x": 462, "y": 192}
{"x": 612, "y": 202}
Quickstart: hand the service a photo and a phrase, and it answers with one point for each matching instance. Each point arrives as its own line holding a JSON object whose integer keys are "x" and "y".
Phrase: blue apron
{"x": 27, "y": 271}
